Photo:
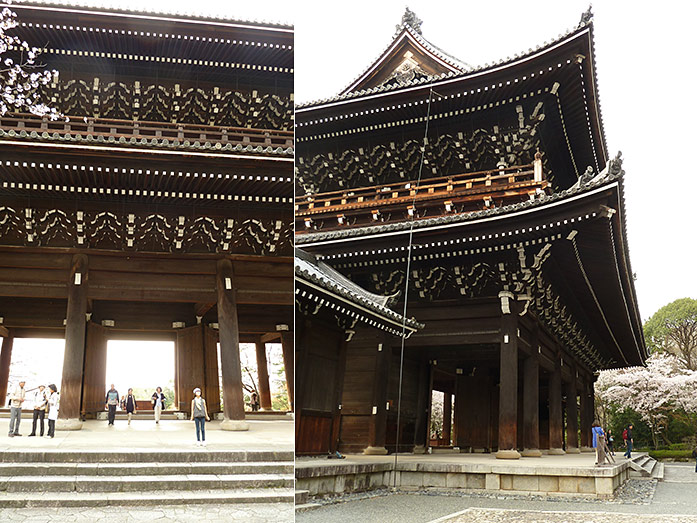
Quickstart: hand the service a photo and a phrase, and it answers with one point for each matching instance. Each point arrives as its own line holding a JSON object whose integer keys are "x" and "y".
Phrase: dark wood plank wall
{"x": 94, "y": 375}
{"x": 211, "y": 388}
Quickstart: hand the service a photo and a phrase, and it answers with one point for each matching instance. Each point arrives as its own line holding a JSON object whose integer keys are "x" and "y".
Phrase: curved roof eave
{"x": 348, "y": 97}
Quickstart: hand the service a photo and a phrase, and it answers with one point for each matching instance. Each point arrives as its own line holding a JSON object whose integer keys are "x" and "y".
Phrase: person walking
{"x": 16, "y": 400}
{"x": 40, "y": 404}
{"x": 53, "y": 406}
{"x": 610, "y": 442}
{"x": 112, "y": 401}
{"x": 599, "y": 444}
{"x": 158, "y": 403}
{"x": 694, "y": 455}
{"x": 629, "y": 442}
{"x": 199, "y": 414}
{"x": 130, "y": 405}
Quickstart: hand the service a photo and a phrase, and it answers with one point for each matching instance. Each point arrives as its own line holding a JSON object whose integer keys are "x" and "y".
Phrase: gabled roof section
{"x": 407, "y": 58}
{"x": 334, "y": 285}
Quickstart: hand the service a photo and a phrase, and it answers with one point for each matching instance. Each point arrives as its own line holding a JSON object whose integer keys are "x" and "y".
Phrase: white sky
{"x": 135, "y": 364}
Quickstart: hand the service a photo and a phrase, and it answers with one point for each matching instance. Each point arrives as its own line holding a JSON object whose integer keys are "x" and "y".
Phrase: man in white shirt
{"x": 40, "y": 402}
{"x": 16, "y": 400}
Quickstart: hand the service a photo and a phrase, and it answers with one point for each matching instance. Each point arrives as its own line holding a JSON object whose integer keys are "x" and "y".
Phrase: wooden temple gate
{"x": 162, "y": 209}
{"x": 487, "y": 197}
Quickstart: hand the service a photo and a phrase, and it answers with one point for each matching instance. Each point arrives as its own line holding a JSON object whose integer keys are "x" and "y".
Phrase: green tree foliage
{"x": 673, "y": 329}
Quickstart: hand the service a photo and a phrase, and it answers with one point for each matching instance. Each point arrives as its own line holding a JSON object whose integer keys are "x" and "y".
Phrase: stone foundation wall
{"x": 328, "y": 480}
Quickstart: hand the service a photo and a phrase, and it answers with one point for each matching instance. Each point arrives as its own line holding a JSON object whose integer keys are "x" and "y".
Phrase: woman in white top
{"x": 199, "y": 414}
{"x": 53, "y": 406}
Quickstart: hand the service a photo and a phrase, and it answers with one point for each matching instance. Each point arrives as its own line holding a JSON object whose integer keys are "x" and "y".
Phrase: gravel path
{"x": 529, "y": 516}
{"x": 675, "y": 496}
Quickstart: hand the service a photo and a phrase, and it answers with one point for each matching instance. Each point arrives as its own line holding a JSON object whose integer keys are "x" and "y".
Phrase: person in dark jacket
{"x": 630, "y": 442}
{"x": 130, "y": 405}
{"x": 112, "y": 401}
{"x": 158, "y": 403}
{"x": 694, "y": 455}
{"x": 40, "y": 406}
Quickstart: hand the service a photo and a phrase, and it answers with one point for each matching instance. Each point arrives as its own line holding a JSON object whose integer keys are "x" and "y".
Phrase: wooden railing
{"x": 399, "y": 194}
{"x": 145, "y": 133}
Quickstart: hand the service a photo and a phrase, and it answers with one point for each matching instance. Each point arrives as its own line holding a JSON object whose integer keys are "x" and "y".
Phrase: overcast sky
{"x": 644, "y": 57}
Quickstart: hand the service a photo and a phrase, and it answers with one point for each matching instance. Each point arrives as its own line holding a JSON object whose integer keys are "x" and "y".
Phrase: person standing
{"x": 254, "y": 403}
{"x": 40, "y": 403}
{"x": 199, "y": 414}
{"x": 16, "y": 400}
{"x": 158, "y": 403}
{"x": 599, "y": 443}
{"x": 629, "y": 441}
{"x": 130, "y": 405}
{"x": 694, "y": 455}
{"x": 112, "y": 400}
{"x": 53, "y": 406}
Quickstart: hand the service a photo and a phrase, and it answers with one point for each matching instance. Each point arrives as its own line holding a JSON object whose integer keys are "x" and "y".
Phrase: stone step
{"x": 659, "y": 471}
{"x": 185, "y": 482}
{"x": 301, "y": 496}
{"x": 650, "y": 465}
{"x": 144, "y": 469}
{"x": 200, "y": 455}
{"x": 146, "y": 498}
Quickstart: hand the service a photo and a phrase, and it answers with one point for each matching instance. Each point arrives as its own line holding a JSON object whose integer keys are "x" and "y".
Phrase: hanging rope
{"x": 406, "y": 287}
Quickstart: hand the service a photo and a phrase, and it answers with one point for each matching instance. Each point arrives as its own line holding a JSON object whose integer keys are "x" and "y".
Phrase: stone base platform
{"x": 573, "y": 474}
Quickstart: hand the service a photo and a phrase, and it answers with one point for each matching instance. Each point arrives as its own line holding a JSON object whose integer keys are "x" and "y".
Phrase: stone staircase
{"x": 155, "y": 478}
{"x": 645, "y": 466}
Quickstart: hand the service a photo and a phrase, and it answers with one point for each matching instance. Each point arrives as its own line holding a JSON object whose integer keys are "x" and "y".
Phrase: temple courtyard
{"x": 638, "y": 501}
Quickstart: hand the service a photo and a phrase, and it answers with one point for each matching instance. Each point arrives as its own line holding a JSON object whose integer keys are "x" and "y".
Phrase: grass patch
{"x": 676, "y": 455}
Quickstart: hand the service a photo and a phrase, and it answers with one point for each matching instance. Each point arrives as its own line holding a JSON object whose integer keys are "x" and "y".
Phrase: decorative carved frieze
{"x": 150, "y": 233}
{"x": 172, "y": 104}
{"x": 459, "y": 152}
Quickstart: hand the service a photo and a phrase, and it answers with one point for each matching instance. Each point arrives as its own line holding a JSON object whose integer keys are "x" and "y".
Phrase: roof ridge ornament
{"x": 409, "y": 18}
{"x": 615, "y": 165}
{"x": 586, "y": 17}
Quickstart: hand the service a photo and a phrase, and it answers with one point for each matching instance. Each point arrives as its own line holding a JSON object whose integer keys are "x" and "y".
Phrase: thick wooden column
{"x": 71, "y": 385}
{"x": 447, "y": 416}
{"x": 5, "y": 358}
{"x": 287, "y": 343}
{"x": 571, "y": 415}
{"x": 556, "y": 423}
{"x": 233, "y": 399}
{"x": 378, "y": 421}
{"x": 531, "y": 406}
{"x": 586, "y": 419}
{"x": 263, "y": 376}
{"x": 508, "y": 376}
{"x": 423, "y": 407}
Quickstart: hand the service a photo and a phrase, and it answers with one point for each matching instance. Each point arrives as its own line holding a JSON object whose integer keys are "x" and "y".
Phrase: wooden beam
{"x": 4, "y": 332}
{"x": 263, "y": 375}
{"x": 271, "y": 337}
{"x": 508, "y": 390}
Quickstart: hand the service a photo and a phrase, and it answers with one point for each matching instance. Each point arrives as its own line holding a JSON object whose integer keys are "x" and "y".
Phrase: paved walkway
{"x": 675, "y": 496}
{"x": 145, "y": 434}
{"x": 249, "y": 513}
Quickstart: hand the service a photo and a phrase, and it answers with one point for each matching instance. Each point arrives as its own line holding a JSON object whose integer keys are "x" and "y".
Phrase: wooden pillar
{"x": 289, "y": 364}
{"x": 71, "y": 384}
{"x": 5, "y": 358}
{"x": 447, "y": 416}
{"x": 233, "y": 399}
{"x": 508, "y": 379}
{"x": 531, "y": 406}
{"x": 556, "y": 423}
{"x": 378, "y": 421}
{"x": 571, "y": 415}
{"x": 586, "y": 419}
{"x": 423, "y": 406}
{"x": 263, "y": 376}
